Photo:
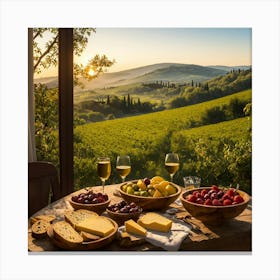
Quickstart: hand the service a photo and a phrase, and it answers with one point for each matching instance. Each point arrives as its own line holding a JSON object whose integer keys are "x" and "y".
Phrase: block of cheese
{"x": 132, "y": 227}
{"x": 97, "y": 225}
{"x": 155, "y": 221}
{"x": 74, "y": 217}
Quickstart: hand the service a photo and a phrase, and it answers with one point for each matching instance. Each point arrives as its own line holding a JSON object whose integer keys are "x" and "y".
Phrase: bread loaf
{"x": 47, "y": 218}
{"x": 75, "y": 217}
{"x": 39, "y": 229}
{"x": 64, "y": 232}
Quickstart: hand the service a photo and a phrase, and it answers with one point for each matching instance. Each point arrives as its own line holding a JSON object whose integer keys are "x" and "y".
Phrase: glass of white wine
{"x": 172, "y": 164}
{"x": 103, "y": 169}
{"x": 123, "y": 166}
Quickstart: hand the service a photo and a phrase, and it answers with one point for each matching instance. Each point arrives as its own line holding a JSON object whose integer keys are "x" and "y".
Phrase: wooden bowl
{"x": 89, "y": 245}
{"x": 150, "y": 203}
{"x": 214, "y": 215}
{"x": 120, "y": 218}
{"x": 98, "y": 208}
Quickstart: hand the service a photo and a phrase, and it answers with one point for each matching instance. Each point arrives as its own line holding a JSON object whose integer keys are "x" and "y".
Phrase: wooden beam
{"x": 65, "y": 83}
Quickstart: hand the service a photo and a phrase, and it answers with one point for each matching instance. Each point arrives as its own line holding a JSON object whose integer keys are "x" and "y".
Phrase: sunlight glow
{"x": 91, "y": 72}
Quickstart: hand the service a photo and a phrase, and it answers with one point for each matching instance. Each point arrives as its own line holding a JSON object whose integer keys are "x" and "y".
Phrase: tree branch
{"x": 36, "y": 35}
{"x": 45, "y": 53}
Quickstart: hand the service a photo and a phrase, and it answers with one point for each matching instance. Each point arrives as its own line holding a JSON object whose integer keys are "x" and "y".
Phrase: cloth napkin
{"x": 169, "y": 241}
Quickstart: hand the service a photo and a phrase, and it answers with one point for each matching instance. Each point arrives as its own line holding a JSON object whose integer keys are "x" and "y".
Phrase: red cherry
{"x": 208, "y": 202}
{"x": 215, "y": 188}
{"x": 230, "y": 192}
{"x": 216, "y": 202}
{"x": 227, "y": 202}
{"x": 226, "y": 196}
{"x": 198, "y": 195}
{"x": 213, "y": 195}
{"x": 191, "y": 198}
{"x": 195, "y": 193}
{"x": 203, "y": 192}
{"x": 238, "y": 199}
{"x": 199, "y": 201}
{"x": 207, "y": 196}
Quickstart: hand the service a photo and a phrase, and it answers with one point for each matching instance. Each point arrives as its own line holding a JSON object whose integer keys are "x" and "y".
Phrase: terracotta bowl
{"x": 150, "y": 203}
{"x": 214, "y": 215}
{"x": 98, "y": 208}
{"x": 120, "y": 218}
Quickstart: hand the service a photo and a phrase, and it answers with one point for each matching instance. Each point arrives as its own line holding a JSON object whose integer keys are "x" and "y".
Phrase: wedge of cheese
{"x": 97, "y": 225}
{"x": 132, "y": 227}
{"x": 155, "y": 221}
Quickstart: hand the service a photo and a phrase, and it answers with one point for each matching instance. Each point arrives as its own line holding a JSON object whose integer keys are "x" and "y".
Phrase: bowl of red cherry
{"x": 123, "y": 211}
{"x": 214, "y": 205}
{"x": 96, "y": 202}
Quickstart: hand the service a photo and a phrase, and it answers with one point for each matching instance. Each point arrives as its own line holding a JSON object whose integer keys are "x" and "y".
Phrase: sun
{"x": 91, "y": 72}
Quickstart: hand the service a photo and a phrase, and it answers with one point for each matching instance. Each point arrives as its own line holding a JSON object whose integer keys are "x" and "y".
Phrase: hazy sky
{"x": 134, "y": 47}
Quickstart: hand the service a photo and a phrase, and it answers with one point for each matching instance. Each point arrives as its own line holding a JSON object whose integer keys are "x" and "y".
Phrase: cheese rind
{"x": 132, "y": 227}
{"x": 155, "y": 221}
{"x": 96, "y": 225}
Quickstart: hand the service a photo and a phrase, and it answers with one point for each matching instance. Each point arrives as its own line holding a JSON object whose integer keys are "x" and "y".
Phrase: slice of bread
{"x": 47, "y": 218}
{"x": 88, "y": 236}
{"x": 75, "y": 217}
{"x": 39, "y": 229}
{"x": 64, "y": 232}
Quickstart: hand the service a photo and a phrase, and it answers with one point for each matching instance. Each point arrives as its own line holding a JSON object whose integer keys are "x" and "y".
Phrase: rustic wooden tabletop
{"x": 233, "y": 235}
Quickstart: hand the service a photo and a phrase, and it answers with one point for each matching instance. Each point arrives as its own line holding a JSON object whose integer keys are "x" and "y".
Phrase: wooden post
{"x": 65, "y": 83}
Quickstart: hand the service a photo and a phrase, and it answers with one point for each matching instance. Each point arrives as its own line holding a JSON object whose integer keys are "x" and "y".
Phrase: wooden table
{"x": 233, "y": 235}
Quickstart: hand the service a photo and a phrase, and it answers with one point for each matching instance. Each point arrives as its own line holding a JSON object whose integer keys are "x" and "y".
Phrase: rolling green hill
{"x": 148, "y": 137}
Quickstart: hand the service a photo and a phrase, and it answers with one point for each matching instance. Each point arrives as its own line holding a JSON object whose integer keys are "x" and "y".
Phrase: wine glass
{"x": 103, "y": 169}
{"x": 172, "y": 164}
{"x": 123, "y": 166}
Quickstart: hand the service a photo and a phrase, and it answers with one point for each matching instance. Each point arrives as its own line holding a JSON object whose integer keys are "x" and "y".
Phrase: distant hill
{"x": 229, "y": 68}
{"x": 172, "y": 72}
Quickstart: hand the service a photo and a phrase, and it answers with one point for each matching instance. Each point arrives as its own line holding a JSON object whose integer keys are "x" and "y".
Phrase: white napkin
{"x": 170, "y": 241}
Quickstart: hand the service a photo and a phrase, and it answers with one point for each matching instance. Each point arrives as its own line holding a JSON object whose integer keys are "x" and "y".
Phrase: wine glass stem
{"x": 103, "y": 185}
{"x": 171, "y": 177}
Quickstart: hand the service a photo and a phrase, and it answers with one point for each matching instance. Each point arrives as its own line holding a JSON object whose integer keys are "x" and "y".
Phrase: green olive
{"x": 144, "y": 193}
{"x": 129, "y": 190}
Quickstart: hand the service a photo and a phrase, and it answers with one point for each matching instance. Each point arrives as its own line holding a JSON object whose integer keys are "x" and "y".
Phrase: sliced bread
{"x": 88, "y": 236}
{"x": 39, "y": 229}
{"x": 47, "y": 218}
{"x": 75, "y": 217}
{"x": 64, "y": 232}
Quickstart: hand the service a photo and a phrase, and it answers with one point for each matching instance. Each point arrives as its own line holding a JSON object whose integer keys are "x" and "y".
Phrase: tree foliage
{"x": 46, "y": 55}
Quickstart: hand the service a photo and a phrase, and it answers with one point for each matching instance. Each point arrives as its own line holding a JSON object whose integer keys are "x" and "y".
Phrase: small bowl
{"x": 98, "y": 208}
{"x": 120, "y": 218}
{"x": 214, "y": 215}
{"x": 150, "y": 203}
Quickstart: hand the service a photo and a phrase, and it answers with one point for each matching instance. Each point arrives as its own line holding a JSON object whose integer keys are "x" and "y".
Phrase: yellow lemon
{"x": 161, "y": 187}
{"x": 170, "y": 189}
{"x": 157, "y": 193}
{"x": 163, "y": 184}
{"x": 156, "y": 180}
